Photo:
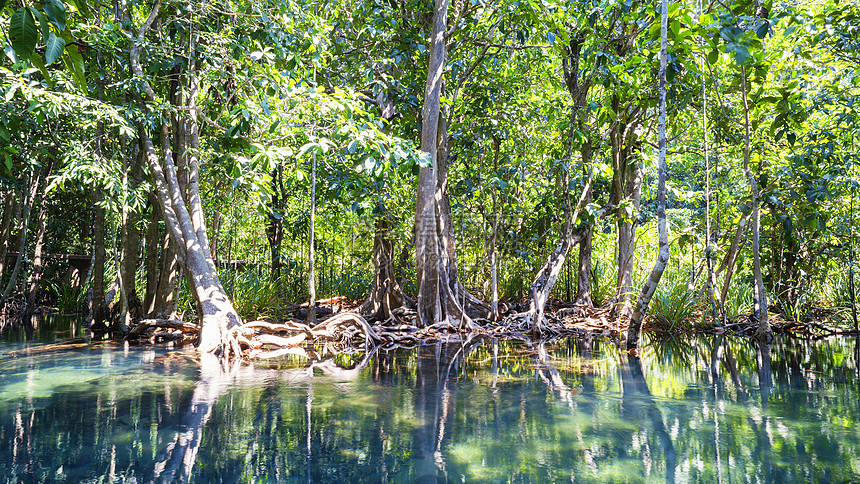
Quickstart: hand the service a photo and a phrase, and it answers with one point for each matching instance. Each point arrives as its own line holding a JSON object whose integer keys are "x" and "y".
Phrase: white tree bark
{"x": 185, "y": 221}
{"x": 662, "y": 233}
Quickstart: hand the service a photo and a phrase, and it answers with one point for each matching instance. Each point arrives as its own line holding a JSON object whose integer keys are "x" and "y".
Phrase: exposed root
{"x": 351, "y": 332}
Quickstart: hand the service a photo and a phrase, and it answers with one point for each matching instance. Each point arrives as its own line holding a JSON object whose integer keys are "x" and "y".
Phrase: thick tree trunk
{"x": 763, "y": 331}
{"x": 385, "y": 292}
{"x": 662, "y": 230}
{"x": 437, "y": 300}
{"x": 185, "y": 221}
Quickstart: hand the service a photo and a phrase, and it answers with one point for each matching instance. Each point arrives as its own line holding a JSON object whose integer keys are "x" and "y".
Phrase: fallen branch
{"x": 147, "y": 324}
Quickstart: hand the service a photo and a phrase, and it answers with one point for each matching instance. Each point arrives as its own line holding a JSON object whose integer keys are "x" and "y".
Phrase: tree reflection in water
{"x": 714, "y": 409}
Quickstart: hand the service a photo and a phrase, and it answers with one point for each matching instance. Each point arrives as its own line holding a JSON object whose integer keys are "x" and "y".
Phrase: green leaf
{"x": 36, "y": 60}
{"x": 741, "y": 53}
{"x": 54, "y": 48}
{"x": 23, "y": 33}
{"x": 82, "y": 7}
{"x": 56, "y": 12}
{"x": 762, "y": 31}
{"x": 2, "y": 4}
{"x": 75, "y": 63}
{"x": 43, "y": 23}
{"x": 713, "y": 57}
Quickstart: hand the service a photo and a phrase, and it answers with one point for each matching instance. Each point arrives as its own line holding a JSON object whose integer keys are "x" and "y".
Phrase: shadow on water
{"x": 715, "y": 409}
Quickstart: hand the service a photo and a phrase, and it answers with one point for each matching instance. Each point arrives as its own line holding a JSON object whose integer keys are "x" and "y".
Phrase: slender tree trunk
{"x": 728, "y": 264}
{"x": 662, "y": 232}
{"x": 130, "y": 253}
{"x": 717, "y": 310}
{"x": 150, "y": 264}
{"x": 312, "y": 289}
{"x": 99, "y": 310}
{"x": 494, "y": 269}
{"x": 631, "y": 174}
{"x": 6, "y": 229}
{"x": 275, "y": 227}
{"x": 22, "y": 238}
{"x": 763, "y": 331}
{"x": 36, "y": 274}
{"x": 583, "y": 281}
{"x": 547, "y": 276}
{"x": 851, "y": 268}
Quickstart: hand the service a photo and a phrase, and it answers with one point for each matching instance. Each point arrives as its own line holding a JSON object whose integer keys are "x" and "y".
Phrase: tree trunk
{"x": 312, "y": 289}
{"x": 6, "y": 229}
{"x": 437, "y": 301}
{"x": 275, "y": 227}
{"x": 385, "y": 292}
{"x": 763, "y": 331}
{"x": 583, "y": 281}
{"x": 547, "y": 276}
{"x": 130, "y": 252}
{"x": 494, "y": 269}
{"x": 631, "y": 175}
{"x": 728, "y": 264}
{"x": 22, "y": 238}
{"x": 627, "y": 192}
{"x": 36, "y": 274}
{"x": 718, "y": 312}
{"x": 164, "y": 304}
{"x": 98, "y": 310}
{"x": 185, "y": 221}
{"x": 662, "y": 232}
{"x": 150, "y": 264}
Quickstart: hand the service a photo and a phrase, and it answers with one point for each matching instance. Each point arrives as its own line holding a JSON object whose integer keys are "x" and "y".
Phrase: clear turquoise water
{"x": 703, "y": 409}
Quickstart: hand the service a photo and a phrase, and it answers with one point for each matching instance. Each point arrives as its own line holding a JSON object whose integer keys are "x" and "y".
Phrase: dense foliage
{"x": 304, "y": 103}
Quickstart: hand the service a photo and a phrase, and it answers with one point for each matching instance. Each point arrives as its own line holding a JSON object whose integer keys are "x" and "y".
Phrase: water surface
{"x": 703, "y": 409}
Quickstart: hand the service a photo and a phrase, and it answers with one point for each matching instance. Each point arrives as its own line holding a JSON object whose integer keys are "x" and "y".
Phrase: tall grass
{"x": 673, "y": 302}
{"x": 739, "y": 300}
{"x": 602, "y": 281}
{"x": 70, "y": 300}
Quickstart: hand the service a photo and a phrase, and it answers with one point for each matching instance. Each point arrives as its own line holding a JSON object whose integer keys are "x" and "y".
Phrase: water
{"x": 705, "y": 409}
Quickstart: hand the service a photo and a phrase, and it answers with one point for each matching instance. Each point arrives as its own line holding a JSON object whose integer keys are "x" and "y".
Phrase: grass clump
{"x": 673, "y": 302}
